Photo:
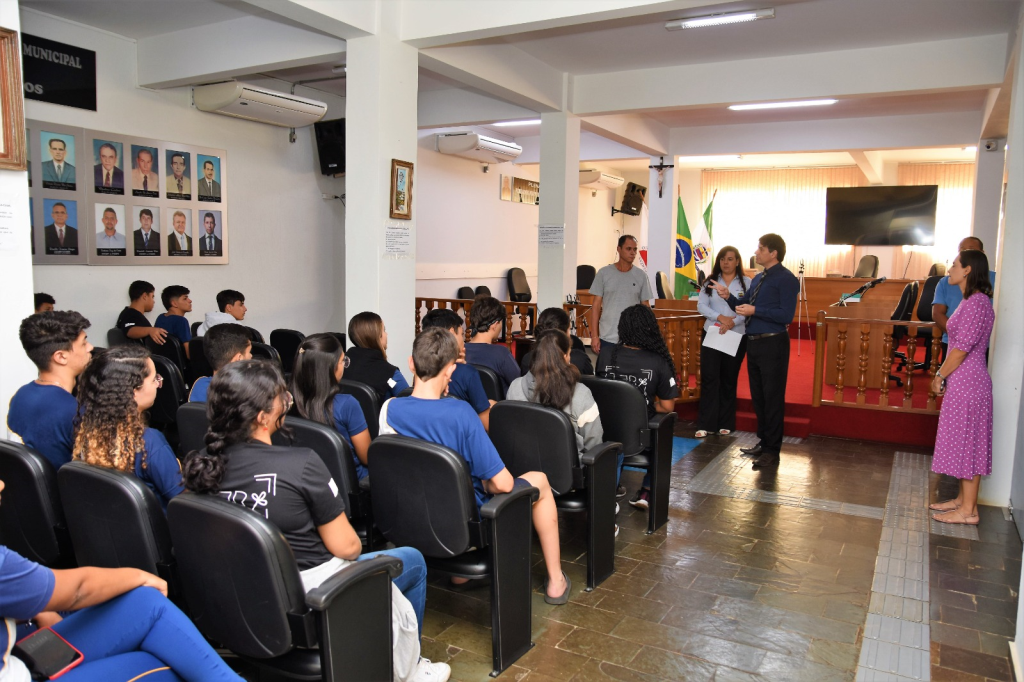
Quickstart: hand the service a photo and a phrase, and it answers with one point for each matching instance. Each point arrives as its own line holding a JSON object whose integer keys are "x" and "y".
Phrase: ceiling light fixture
{"x": 783, "y": 105}
{"x": 969, "y": 149}
{"x": 506, "y": 124}
{"x": 709, "y": 159}
{"x": 720, "y": 19}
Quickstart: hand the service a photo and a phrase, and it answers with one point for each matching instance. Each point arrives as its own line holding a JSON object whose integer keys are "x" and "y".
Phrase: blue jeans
{"x": 137, "y": 633}
{"x": 413, "y": 580}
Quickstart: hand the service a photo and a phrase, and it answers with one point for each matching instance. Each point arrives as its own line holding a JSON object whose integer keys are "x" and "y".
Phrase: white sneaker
{"x": 616, "y": 508}
{"x": 431, "y": 672}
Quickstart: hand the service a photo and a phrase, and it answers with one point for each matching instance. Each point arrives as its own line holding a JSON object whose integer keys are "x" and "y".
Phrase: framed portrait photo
{"x": 13, "y": 150}
{"x": 401, "y": 189}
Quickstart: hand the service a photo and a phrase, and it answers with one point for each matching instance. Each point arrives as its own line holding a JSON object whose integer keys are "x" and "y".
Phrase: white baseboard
{"x": 1018, "y": 674}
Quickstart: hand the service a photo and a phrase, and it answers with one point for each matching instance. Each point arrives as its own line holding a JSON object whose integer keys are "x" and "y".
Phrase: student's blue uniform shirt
{"x": 466, "y": 385}
{"x": 397, "y": 384}
{"x": 453, "y": 424}
{"x": 162, "y": 473}
{"x": 349, "y": 421}
{"x": 199, "y": 390}
{"x": 950, "y": 296}
{"x": 43, "y": 415}
{"x": 176, "y": 325}
{"x": 496, "y": 356}
{"x": 25, "y": 590}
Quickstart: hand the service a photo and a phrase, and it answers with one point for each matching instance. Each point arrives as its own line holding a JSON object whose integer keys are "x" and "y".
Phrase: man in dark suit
{"x": 208, "y": 187}
{"x": 57, "y": 171}
{"x": 106, "y": 174}
{"x": 146, "y": 238}
{"x": 210, "y": 244}
{"x": 61, "y": 238}
{"x": 178, "y": 242}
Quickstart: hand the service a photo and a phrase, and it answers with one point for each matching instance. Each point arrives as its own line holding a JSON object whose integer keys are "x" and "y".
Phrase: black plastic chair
{"x": 518, "y": 286}
{"x": 198, "y": 365}
{"x": 171, "y": 349}
{"x": 195, "y": 327}
{"x": 482, "y": 290}
{"x": 494, "y": 386}
{"x": 585, "y": 275}
{"x": 646, "y": 443}
{"x": 465, "y": 293}
{"x": 116, "y": 521}
{"x": 368, "y": 402}
{"x": 405, "y": 392}
{"x": 255, "y": 336}
{"x": 868, "y": 267}
{"x": 937, "y": 269}
{"x": 904, "y": 312}
{"x": 164, "y": 412}
{"x": 116, "y": 337}
{"x": 924, "y": 313}
{"x": 531, "y": 437}
{"x": 664, "y": 288}
{"x": 244, "y": 592}
{"x": 342, "y": 338}
{"x": 31, "y": 517}
{"x": 287, "y": 342}
{"x": 264, "y": 352}
{"x": 192, "y": 426}
{"x": 423, "y": 498}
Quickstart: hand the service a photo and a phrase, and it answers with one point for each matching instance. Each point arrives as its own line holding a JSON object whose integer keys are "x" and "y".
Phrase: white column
{"x": 988, "y": 195}
{"x": 380, "y": 126}
{"x": 559, "y": 205}
{"x": 15, "y": 269}
{"x": 661, "y": 229}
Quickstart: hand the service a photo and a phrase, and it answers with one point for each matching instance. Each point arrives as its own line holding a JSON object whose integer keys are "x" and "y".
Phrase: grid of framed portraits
{"x": 99, "y": 198}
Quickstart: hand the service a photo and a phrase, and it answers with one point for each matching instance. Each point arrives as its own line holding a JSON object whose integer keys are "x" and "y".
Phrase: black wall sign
{"x": 58, "y": 73}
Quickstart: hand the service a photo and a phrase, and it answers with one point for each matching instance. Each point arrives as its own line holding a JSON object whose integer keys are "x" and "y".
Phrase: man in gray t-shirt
{"x": 616, "y": 287}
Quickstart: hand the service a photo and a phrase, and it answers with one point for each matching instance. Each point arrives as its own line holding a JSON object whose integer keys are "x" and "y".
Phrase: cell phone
{"x": 46, "y": 653}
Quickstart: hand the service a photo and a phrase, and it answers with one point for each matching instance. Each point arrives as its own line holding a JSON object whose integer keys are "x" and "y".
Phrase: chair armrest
{"x": 496, "y": 504}
{"x": 320, "y": 598}
{"x": 658, "y": 420}
{"x": 591, "y": 456}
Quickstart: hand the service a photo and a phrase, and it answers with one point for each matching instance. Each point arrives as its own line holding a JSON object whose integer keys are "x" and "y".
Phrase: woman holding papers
{"x": 719, "y": 368}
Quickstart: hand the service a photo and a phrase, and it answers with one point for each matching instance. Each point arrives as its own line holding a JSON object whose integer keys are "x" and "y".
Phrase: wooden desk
{"x": 878, "y": 302}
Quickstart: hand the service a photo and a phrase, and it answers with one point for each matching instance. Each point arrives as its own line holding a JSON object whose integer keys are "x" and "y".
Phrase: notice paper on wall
{"x": 551, "y": 235}
{"x": 8, "y": 234}
{"x": 728, "y": 343}
{"x": 398, "y": 240}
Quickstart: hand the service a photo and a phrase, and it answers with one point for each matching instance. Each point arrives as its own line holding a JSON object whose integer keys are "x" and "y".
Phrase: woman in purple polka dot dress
{"x": 963, "y": 444}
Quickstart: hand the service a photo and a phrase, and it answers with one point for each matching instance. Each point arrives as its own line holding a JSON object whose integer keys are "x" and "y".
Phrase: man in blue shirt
{"x": 948, "y": 296}
{"x": 177, "y": 303}
{"x": 453, "y": 424}
{"x": 222, "y": 345}
{"x": 769, "y": 306}
{"x": 42, "y": 412}
{"x": 465, "y": 384}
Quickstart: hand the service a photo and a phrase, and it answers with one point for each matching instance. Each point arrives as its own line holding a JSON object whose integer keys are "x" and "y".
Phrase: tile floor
{"x": 742, "y": 589}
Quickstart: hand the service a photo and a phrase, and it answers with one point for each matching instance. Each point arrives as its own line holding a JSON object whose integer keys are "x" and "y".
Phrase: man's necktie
{"x": 60, "y": 170}
{"x": 757, "y": 289}
{"x": 145, "y": 183}
{"x": 107, "y": 182}
{"x": 209, "y": 243}
{"x": 181, "y": 188}
{"x": 60, "y": 236}
{"x": 181, "y": 238}
{"x": 145, "y": 240}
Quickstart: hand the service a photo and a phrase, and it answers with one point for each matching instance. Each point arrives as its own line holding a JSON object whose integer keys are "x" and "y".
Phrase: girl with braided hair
{"x": 114, "y": 392}
{"x": 642, "y": 359}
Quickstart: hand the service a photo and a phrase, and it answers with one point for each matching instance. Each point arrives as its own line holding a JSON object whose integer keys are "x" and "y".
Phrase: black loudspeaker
{"x": 633, "y": 199}
{"x": 330, "y": 146}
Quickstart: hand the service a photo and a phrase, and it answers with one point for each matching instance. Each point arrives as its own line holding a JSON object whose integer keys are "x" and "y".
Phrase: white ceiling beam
{"x": 444, "y": 22}
{"x": 348, "y": 19}
{"x": 456, "y": 107}
{"x": 870, "y": 164}
{"x": 593, "y": 147}
{"x": 230, "y": 49}
{"x": 997, "y": 105}
{"x": 964, "y": 63}
{"x": 632, "y": 130}
{"x": 502, "y": 71}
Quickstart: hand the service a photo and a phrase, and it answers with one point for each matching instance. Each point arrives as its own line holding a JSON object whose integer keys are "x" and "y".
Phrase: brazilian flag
{"x": 686, "y": 269}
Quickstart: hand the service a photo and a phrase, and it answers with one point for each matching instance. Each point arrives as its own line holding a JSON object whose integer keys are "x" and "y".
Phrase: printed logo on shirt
{"x": 256, "y": 501}
{"x": 333, "y": 486}
{"x": 391, "y": 383}
{"x": 672, "y": 382}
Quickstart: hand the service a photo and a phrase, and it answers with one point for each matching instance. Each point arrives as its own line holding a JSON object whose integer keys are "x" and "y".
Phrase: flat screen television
{"x": 881, "y": 216}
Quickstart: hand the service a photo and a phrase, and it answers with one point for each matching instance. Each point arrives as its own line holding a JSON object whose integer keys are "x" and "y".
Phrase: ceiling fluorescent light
{"x": 505, "y": 124}
{"x": 721, "y": 19}
{"x": 709, "y": 159}
{"x": 783, "y": 105}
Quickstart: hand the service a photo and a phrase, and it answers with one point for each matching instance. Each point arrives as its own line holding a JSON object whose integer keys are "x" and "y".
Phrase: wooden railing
{"x": 522, "y": 311}
{"x": 872, "y": 365}
{"x": 682, "y": 336}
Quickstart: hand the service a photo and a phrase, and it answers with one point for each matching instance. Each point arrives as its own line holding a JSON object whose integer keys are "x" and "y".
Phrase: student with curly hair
{"x": 113, "y": 394}
{"x": 368, "y": 356}
{"x": 642, "y": 358}
{"x": 319, "y": 366}
{"x": 485, "y": 318}
{"x": 42, "y": 412}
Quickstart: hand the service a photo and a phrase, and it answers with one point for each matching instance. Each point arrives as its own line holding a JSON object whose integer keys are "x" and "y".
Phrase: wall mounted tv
{"x": 881, "y": 215}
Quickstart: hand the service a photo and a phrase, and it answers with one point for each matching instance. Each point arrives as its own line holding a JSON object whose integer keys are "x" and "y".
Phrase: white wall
{"x": 287, "y": 247}
{"x": 599, "y": 231}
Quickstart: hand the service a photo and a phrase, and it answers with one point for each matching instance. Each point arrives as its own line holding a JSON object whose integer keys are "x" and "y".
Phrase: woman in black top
{"x": 368, "y": 357}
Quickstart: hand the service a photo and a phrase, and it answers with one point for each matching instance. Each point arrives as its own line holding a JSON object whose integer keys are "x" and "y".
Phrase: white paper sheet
{"x": 728, "y": 343}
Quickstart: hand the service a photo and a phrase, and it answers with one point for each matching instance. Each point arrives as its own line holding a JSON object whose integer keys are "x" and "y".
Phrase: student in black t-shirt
{"x": 368, "y": 356}
{"x": 132, "y": 320}
{"x": 642, "y": 358}
{"x": 556, "y": 318}
{"x": 465, "y": 383}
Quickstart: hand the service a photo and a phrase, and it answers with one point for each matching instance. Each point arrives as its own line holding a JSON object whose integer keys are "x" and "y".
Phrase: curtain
{"x": 787, "y": 201}
{"x": 953, "y": 214}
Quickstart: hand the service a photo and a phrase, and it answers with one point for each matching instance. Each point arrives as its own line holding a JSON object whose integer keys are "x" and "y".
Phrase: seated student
{"x": 642, "y": 358}
{"x": 132, "y": 320}
{"x": 223, "y": 344}
{"x": 122, "y": 622}
{"x": 42, "y": 412}
{"x": 465, "y": 384}
{"x": 44, "y": 302}
{"x": 485, "y": 318}
{"x": 231, "y": 305}
{"x": 116, "y": 389}
{"x": 247, "y": 404}
{"x": 368, "y": 356}
{"x": 453, "y": 424}
{"x": 556, "y": 318}
{"x": 319, "y": 366}
{"x": 177, "y": 303}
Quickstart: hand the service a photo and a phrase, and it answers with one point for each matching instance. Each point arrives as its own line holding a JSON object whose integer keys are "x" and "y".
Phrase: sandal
{"x": 562, "y": 598}
{"x": 724, "y": 432}
{"x": 701, "y": 433}
{"x": 964, "y": 520}
{"x": 943, "y": 506}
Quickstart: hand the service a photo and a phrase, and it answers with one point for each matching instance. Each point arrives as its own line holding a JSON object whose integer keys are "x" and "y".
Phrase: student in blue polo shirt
{"x": 465, "y": 384}
{"x": 115, "y": 391}
{"x": 223, "y": 344}
{"x": 948, "y": 296}
{"x": 453, "y": 424}
{"x": 319, "y": 366}
{"x": 177, "y": 303}
{"x": 42, "y": 412}
{"x": 485, "y": 319}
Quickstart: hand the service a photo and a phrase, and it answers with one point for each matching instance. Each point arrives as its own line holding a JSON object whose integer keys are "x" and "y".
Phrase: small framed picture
{"x": 13, "y": 150}
{"x": 401, "y": 189}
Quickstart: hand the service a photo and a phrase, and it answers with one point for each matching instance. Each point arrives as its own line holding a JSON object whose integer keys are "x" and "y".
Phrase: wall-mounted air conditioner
{"x": 258, "y": 104}
{"x": 595, "y": 179}
{"x": 471, "y": 145}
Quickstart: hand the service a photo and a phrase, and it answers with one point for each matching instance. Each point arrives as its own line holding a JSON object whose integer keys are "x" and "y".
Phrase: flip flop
{"x": 724, "y": 432}
{"x": 700, "y": 434}
{"x": 963, "y": 519}
{"x": 938, "y": 506}
{"x": 562, "y": 598}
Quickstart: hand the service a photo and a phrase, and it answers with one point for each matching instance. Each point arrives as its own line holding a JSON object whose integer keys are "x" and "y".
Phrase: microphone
{"x": 875, "y": 282}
